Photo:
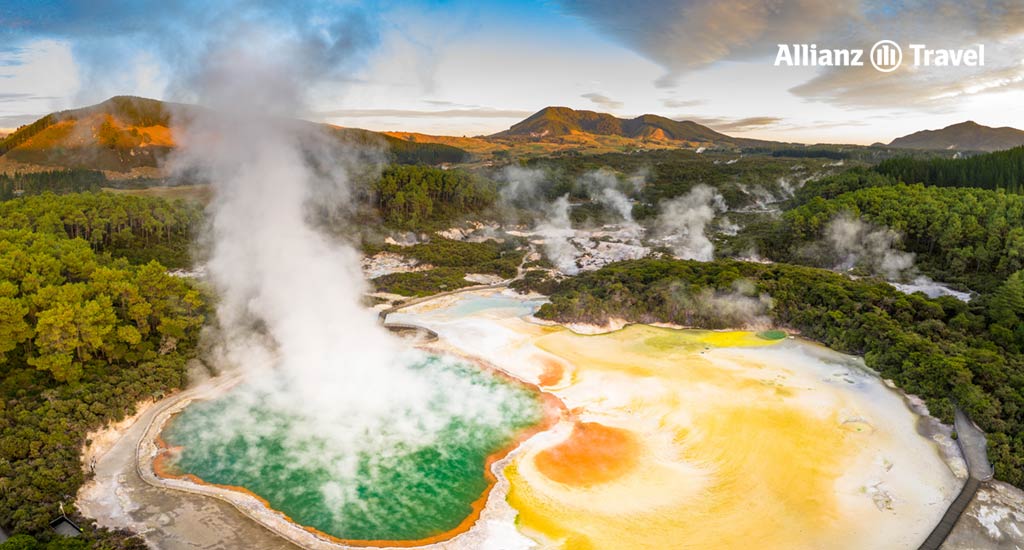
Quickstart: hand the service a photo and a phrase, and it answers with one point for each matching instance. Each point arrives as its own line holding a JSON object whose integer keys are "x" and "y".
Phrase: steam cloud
{"x": 557, "y": 231}
{"x": 684, "y": 219}
{"x": 522, "y": 185}
{"x": 740, "y": 306}
{"x": 856, "y": 243}
{"x": 602, "y": 186}
{"x": 289, "y": 296}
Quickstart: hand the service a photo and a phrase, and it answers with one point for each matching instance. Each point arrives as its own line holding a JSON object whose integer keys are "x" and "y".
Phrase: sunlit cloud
{"x": 602, "y": 100}
{"x": 482, "y": 112}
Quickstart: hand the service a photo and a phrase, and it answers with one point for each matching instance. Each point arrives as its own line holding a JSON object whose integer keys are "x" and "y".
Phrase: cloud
{"x": 725, "y": 124}
{"x": 930, "y": 91}
{"x": 121, "y": 44}
{"x": 34, "y": 77}
{"x": 14, "y": 121}
{"x": 680, "y": 103}
{"x": 442, "y": 103}
{"x": 20, "y": 96}
{"x": 685, "y": 35}
{"x": 480, "y": 112}
{"x": 602, "y": 100}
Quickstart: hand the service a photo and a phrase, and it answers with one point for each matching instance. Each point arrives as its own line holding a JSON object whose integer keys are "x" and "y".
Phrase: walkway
{"x": 973, "y": 446}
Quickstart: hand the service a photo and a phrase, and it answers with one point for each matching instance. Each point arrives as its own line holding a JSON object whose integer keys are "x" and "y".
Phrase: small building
{"x": 64, "y": 527}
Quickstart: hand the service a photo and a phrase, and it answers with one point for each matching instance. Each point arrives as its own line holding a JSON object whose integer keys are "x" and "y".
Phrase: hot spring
{"x": 668, "y": 438}
{"x": 382, "y": 486}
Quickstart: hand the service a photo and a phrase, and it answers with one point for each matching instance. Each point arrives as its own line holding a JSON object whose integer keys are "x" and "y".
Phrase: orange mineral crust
{"x": 593, "y": 453}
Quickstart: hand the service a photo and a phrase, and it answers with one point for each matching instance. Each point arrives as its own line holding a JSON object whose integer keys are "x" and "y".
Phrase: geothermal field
{"x": 701, "y": 437}
{"x": 550, "y": 275}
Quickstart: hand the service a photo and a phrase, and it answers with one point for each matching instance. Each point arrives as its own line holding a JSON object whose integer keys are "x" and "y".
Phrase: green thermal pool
{"x": 362, "y": 486}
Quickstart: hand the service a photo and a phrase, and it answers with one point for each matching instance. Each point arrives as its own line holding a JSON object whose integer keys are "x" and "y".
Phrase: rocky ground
{"x": 994, "y": 520}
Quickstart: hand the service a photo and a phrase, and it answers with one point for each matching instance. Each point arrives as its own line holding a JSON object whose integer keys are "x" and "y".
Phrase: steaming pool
{"x": 381, "y": 487}
{"x": 667, "y": 438}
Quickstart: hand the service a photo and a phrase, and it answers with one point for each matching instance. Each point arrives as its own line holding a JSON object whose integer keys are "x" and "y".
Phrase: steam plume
{"x": 522, "y": 185}
{"x": 741, "y": 306}
{"x": 557, "y": 231}
{"x": 603, "y": 186}
{"x": 289, "y": 296}
{"x": 684, "y": 219}
{"x": 857, "y": 243}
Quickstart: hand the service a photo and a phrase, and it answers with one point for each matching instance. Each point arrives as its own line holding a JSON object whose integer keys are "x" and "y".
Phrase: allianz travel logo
{"x": 885, "y": 56}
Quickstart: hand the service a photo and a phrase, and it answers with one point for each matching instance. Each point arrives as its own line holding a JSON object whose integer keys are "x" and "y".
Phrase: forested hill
{"x": 998, "y": 170}
{"x": 126, "y": 133}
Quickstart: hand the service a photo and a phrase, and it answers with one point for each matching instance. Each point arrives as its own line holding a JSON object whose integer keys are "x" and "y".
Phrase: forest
{"x": 999, "y": 170}
{"x": 452, "y": 261}
{"x": 134, "y": 227}
{"x": 974, "y": 237}
{"x": 21, "y": 184}
{"x": 943, "y": 350}
{"x": 422, "y": 197}
{"x": 84, "y": 336}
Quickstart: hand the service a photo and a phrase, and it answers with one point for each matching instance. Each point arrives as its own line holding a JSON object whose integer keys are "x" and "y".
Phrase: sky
{"x": 477, "y": 67}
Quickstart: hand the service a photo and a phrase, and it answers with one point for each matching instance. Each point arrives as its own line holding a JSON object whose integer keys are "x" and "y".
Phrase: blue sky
{"x": 468, "y": 68}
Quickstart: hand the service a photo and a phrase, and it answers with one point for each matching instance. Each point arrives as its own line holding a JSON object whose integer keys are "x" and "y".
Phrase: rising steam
{"x": 859, "y": 244}
{"x": 288, "y": 295}
{"x": 740, "y": 306}
{"x": 603, "y": 186}
{"x": 683, "y": 221}
{"x": 557, "y": 232}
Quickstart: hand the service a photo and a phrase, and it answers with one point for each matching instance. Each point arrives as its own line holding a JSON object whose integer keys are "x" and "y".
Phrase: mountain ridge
{"x": 130, "y": 134}
{"x": 963, "y": 136}
{"x": 556, "y": 121}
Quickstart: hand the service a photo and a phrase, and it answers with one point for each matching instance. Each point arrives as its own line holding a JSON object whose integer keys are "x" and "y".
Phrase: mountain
{"x": 966, "y": 136}
{"x": 129, "y": 134}
{"x": 555, "y": 122}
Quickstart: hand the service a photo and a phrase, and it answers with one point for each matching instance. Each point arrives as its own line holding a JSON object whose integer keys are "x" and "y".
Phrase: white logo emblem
{"x": 886, "y": 56}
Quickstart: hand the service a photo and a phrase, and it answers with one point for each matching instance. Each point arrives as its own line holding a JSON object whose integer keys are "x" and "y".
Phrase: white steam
{"x": 740, "y": 306}
{"x": 603, "y": 186}
{"x": 288, "y": 295}
{"x": 557, "y": 232}
{"x": 931, "y": 289}
{"x": 683, "y": 222}
{"x": 522, "y": 185}
{"x": 859, "y": 244}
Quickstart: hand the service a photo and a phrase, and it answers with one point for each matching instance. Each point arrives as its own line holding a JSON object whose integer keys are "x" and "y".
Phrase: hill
{"x": 555, "y": 122}
{"x": 965, "y": 136}
{"x": 126, "y": 134}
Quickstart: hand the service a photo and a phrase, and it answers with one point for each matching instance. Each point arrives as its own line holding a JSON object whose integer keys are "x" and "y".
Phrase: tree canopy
{"x": 83, "y": 337}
